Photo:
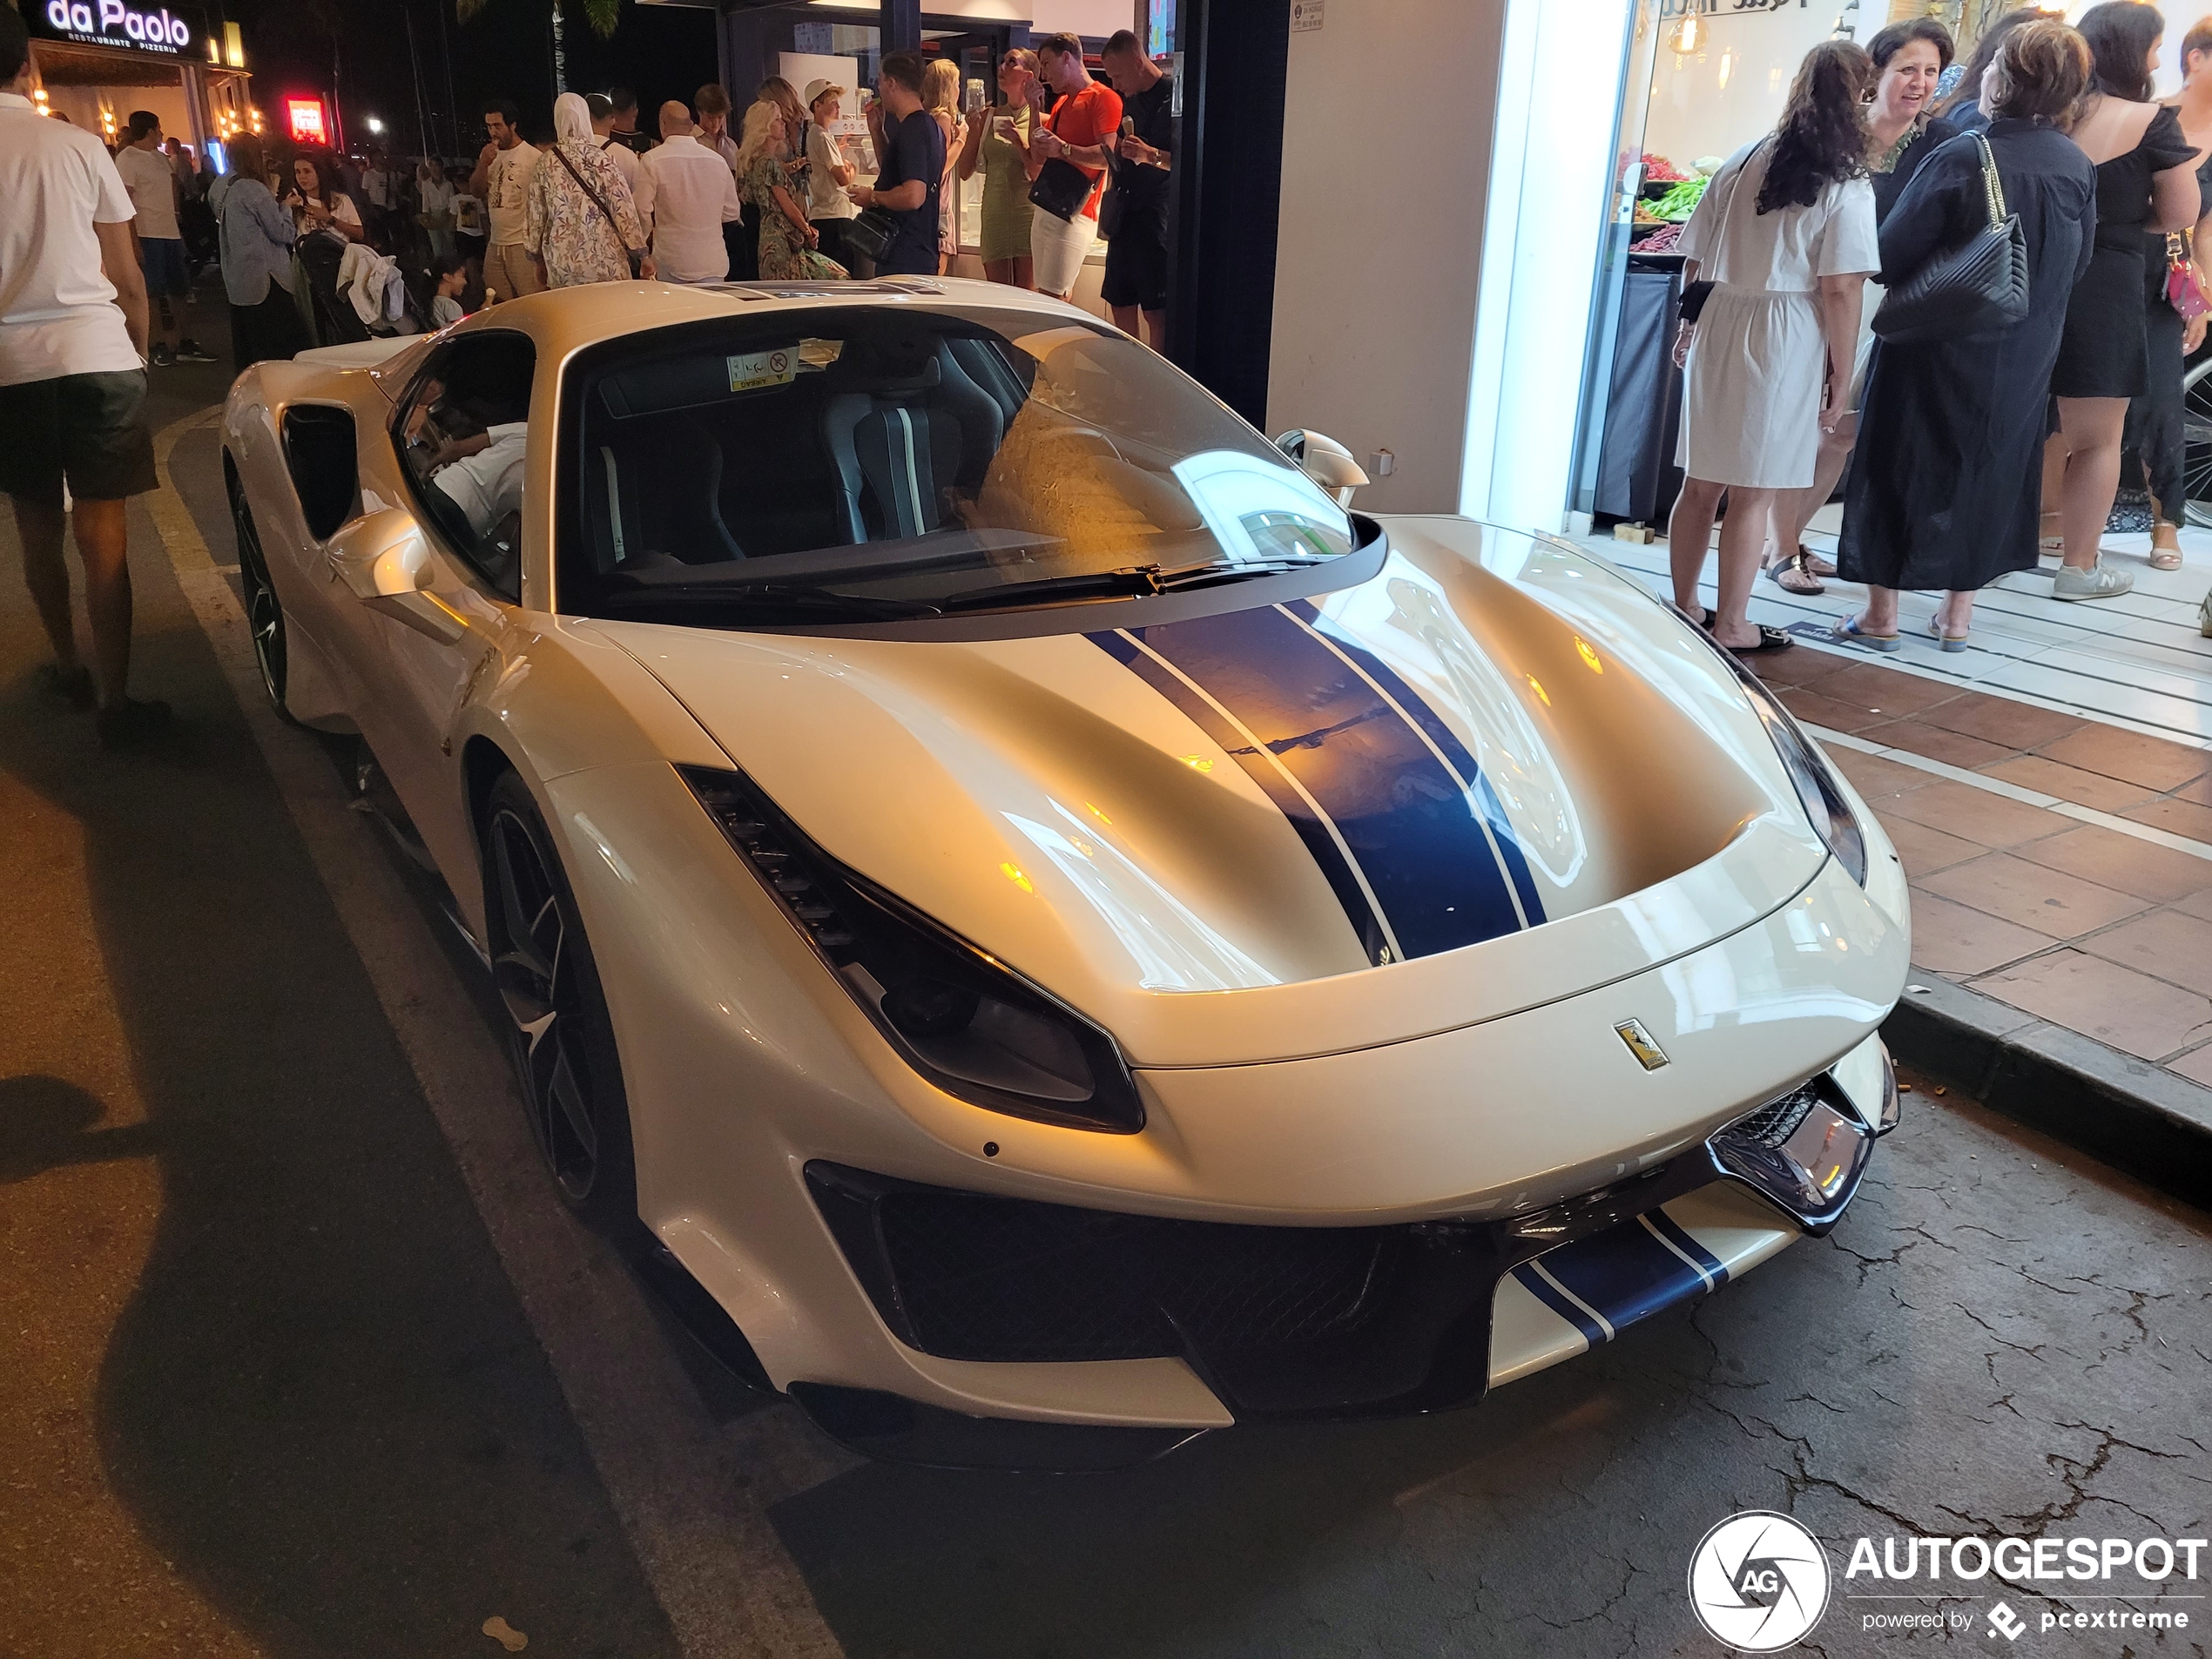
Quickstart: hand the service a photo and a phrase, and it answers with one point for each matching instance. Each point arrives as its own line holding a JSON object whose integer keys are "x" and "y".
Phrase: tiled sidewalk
{"x": 2060, "y": 864}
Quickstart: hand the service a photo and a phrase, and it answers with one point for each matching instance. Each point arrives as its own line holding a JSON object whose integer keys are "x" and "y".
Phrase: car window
{"x": 463, "y": 436}
{"x": 879, "y": 461}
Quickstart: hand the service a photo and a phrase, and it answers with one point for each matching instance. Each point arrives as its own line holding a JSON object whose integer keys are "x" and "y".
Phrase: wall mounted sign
{"x": 110, "y": 22}
{"x": 303, "y": 119}
{"x": 1722, "y": 8}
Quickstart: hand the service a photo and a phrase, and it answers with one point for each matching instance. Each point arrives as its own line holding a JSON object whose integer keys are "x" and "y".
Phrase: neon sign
{"x": 110, "y": 22}
{"x": 304, "y": 117}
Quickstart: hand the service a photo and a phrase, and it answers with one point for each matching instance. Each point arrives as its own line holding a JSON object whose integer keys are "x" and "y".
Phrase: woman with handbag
{"x": 1785, "y": 236}
{"x": 2145, "y": 181}
{"x": 580, "y": 224}
{"x": 1946, "y": 486}
{"x": 2177, "y": 301}
{"x": 788, "y": 241}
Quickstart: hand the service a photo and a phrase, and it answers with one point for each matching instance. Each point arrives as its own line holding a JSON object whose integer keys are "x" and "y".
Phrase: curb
{"x": 2130, "y": 1114}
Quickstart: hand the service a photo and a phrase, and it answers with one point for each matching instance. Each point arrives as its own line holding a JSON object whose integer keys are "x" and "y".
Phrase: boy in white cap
{"x": 828, "y": 208}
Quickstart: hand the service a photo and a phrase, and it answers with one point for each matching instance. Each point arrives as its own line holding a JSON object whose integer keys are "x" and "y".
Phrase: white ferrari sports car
{"x": 1050, "y": 932}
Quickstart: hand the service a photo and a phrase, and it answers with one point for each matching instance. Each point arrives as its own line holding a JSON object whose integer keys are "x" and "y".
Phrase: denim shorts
{"x": 163, "y": 258}
{"x": 88, "y": 428}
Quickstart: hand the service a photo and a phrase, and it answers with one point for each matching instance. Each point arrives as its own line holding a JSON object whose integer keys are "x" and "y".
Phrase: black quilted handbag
{"x": 1978, "y": 287}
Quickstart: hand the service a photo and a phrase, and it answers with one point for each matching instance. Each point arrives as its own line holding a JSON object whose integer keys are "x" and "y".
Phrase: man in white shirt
{"x": 152, "y": 180}
{"x": 688, "y": 193}
{"x": 502, "y": 179}
{"x": 603, "y": 117}
{"x": 72, "y": 385}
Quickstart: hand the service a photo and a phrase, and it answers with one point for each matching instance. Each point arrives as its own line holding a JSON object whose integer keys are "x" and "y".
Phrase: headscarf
{"x": 572, "y": 119}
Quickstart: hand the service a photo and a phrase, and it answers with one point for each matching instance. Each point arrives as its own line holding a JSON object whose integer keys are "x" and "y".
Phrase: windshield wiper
{"x": 772, "y": 594}
{"x": 1137, "y": 580}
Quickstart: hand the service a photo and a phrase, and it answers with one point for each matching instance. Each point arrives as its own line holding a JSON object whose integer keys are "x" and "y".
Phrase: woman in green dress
{"x": 998, "y": 139}
{"x": 787, "y": 241}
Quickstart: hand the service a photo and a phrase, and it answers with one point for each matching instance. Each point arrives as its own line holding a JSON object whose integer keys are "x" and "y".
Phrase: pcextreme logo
{"x": 1758, "y": 1581}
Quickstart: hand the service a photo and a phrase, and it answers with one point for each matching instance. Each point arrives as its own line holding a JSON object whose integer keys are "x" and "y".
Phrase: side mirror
{"x": 385, "y": 560}
{"x": 1321, "y": 458}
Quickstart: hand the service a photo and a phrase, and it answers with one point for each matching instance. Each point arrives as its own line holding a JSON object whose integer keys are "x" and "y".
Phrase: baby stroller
{"x": 330, "y": 318}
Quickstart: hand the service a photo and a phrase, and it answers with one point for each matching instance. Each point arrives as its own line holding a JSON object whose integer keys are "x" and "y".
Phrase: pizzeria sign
{"x": 110, "y": 22}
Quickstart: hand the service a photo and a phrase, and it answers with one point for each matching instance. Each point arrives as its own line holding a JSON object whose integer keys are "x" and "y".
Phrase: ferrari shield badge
{"x": 1649, "y": 1054}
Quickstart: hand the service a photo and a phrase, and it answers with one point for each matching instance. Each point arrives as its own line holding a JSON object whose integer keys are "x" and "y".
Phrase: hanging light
{"x": 1688, "y": 35}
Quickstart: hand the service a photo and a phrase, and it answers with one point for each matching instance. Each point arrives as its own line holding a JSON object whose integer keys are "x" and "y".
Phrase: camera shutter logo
{"x": 1758, "y": 1581}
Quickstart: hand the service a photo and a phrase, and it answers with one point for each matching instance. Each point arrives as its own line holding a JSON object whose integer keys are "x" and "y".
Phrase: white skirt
{"x": 1057, "y": 249}
{"x": 1752, "y": 393}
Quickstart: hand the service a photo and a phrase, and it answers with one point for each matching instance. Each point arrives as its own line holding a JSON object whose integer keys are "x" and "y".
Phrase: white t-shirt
{"x": 152, "y": 184}
{"x": 825, "y": 197}
{"x": 507, "y": 184}
{"x": 436, "y": 195}
{"x": 487, "y": 485}
{"x": 58, "y": 311}
{"x": 625, "y": 161}
{"x": 1785, "y": 252}
{"x": 687, "y": 192}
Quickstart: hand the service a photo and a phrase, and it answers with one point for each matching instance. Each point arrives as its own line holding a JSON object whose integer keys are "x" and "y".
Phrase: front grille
{"x": 1003, "y": 1280}
{"x": 1777, "y": 1120}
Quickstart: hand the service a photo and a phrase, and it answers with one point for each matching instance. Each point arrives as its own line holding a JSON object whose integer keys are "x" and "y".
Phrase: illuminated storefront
{"x": 96, "y": 61}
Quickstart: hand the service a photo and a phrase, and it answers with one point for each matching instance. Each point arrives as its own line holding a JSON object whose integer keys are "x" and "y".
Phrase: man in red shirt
{"x": 1087, "y": 118}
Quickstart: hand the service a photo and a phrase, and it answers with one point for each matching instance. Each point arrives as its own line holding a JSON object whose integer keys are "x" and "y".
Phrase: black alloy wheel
{"x": 558, "y": 1029}
{"x": 264, "y": 615}
{"x": 2197, "y": 441}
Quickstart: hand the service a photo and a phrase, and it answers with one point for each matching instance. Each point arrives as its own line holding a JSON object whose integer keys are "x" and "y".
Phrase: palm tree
{"x": 602, "y": 15}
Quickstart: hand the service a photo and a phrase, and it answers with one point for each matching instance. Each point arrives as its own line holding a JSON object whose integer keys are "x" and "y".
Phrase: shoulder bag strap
{"x": 1728, "y": 207}
{"x": 1993, "y": 183}
{"x": 597, "y": 200}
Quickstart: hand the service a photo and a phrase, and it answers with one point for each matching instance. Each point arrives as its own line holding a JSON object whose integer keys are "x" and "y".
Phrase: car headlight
{"x": 965, "y": 1021}
{"x": 1832, "y": 820}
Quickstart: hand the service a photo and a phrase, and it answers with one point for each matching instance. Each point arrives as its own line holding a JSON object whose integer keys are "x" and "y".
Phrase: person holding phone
{"x": 1079, "y": 131}
{"x": 1134, "y": 217}
{"x": 997, "y": 140}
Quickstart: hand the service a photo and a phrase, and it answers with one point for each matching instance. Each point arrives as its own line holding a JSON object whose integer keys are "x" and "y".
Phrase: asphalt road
{"x": 298, "y": 1355}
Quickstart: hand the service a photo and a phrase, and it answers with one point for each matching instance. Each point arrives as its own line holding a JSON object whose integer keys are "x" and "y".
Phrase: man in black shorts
{"x": 1136, "y": 211}
{"x": 72, "y": 385}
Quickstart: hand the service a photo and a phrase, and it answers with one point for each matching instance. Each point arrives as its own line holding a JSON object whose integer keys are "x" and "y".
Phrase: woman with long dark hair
{"x": 2145, "y": 181}
{"x": 1945, "y": 492}
{"x": 1785, "y": 234}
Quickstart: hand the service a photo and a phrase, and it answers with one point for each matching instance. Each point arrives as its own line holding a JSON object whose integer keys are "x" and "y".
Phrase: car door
{"x": 461, "y": 429}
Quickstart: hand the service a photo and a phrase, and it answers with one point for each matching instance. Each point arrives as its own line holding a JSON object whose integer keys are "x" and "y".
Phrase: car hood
{"x": 1492, "y": 774}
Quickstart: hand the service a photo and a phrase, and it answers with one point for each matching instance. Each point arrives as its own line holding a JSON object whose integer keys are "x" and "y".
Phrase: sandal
{"x": 1795, "y": 574}
{"x": 2165, "y": 558}
{"x": 1814, "y": 563}
{"x": 1848, "y": 632}
{"x": 1769, "y": 639}
{"x": 1947, "y": 642}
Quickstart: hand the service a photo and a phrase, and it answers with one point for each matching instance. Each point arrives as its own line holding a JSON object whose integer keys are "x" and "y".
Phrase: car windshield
{"x": 879, "y": 463}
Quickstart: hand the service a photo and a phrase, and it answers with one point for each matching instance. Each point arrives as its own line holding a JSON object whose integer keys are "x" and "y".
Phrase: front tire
{"x": 264, "y": 615}
{"x": 558, "y": 1030}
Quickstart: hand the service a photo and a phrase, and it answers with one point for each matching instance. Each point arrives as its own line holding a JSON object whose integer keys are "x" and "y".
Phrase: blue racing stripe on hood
{"x": 1456, "y": 754}
{"x": 1410, "y": 828}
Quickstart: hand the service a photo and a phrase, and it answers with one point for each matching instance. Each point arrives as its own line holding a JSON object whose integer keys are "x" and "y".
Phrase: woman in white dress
{"x": 1785, "y": 232}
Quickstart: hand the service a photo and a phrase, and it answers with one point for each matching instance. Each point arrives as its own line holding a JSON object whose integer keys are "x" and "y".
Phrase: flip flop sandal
{"x": 2165, "y": 558}
{"x": 1849, "y": 632}
{"x": 1814, "y": 563}
{"x": 1769, "y": 639}
{"x": 1947, "y": 642}
{"x": 1794, "y": 576}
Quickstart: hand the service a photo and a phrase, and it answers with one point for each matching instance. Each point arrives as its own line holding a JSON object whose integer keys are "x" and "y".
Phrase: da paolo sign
{"x": 110, "y": 22}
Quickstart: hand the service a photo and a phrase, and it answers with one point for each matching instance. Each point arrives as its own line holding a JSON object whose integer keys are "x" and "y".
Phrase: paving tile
{"x": 1816, "y": 710}
{"x": 2175, "y": 817}
{"x": 2032, "y": 895}
{"x": 1961, "y": 809}
{"x": 2196, "y": 904}
{"x": 2123, "y": 863}
{"x": 2068, "y": 783}
{"x": 1999, "y": 719}
{"x": 1953, "y": 748}
{"x": 2199, "y": 791}
{"x": 1925, "y": 851}
{"x": 2151, "y": 762}
{"x": 2167, "y": 944}
{"x": 2115, "y": 1005}
{"x": 1797, "y": 666}
{"x": 1952, "y": 939}
{"x": 2197, "y": 1065}
{"x": 1886, "y": 689}
{"x": 1874, "y": 778}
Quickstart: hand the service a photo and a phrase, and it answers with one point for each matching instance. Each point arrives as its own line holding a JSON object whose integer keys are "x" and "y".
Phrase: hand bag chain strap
{"x": 1993, "y": 183}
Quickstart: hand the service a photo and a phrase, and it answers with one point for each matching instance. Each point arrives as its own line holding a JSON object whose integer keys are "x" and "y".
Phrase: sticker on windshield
{"x": 775, "y": 366}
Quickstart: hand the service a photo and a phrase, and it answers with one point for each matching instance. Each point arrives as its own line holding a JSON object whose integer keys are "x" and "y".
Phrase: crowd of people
{"x": 1969, "y": 455}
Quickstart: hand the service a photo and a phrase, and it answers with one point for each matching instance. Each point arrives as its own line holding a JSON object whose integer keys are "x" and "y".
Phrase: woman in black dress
{"x": 2145, "y": 181}
{"x": 1909, "y": 58}
{"x": 1944, "y": 493}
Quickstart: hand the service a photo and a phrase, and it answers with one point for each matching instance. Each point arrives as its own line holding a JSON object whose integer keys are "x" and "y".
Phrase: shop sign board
{"x": 303, "y": 118}
{"x": 1304, "y": 15}
{"x": 112, "y": 23}
{"x": 1724, "y": 8}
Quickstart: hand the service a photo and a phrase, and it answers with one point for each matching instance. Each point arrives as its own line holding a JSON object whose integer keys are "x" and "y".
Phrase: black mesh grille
{"x": 1002, "y": 1279}
{"x": 1777, "y": 1120}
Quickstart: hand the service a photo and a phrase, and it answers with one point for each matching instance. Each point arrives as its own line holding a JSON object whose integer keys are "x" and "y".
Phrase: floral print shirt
{"x": 568, "y": 230}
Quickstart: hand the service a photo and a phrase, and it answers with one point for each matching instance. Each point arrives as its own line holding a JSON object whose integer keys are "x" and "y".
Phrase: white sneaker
{"x": 2101, "y": 583}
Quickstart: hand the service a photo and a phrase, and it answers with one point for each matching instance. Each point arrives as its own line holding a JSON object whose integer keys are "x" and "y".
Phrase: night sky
{"x": 662, "y": 51}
